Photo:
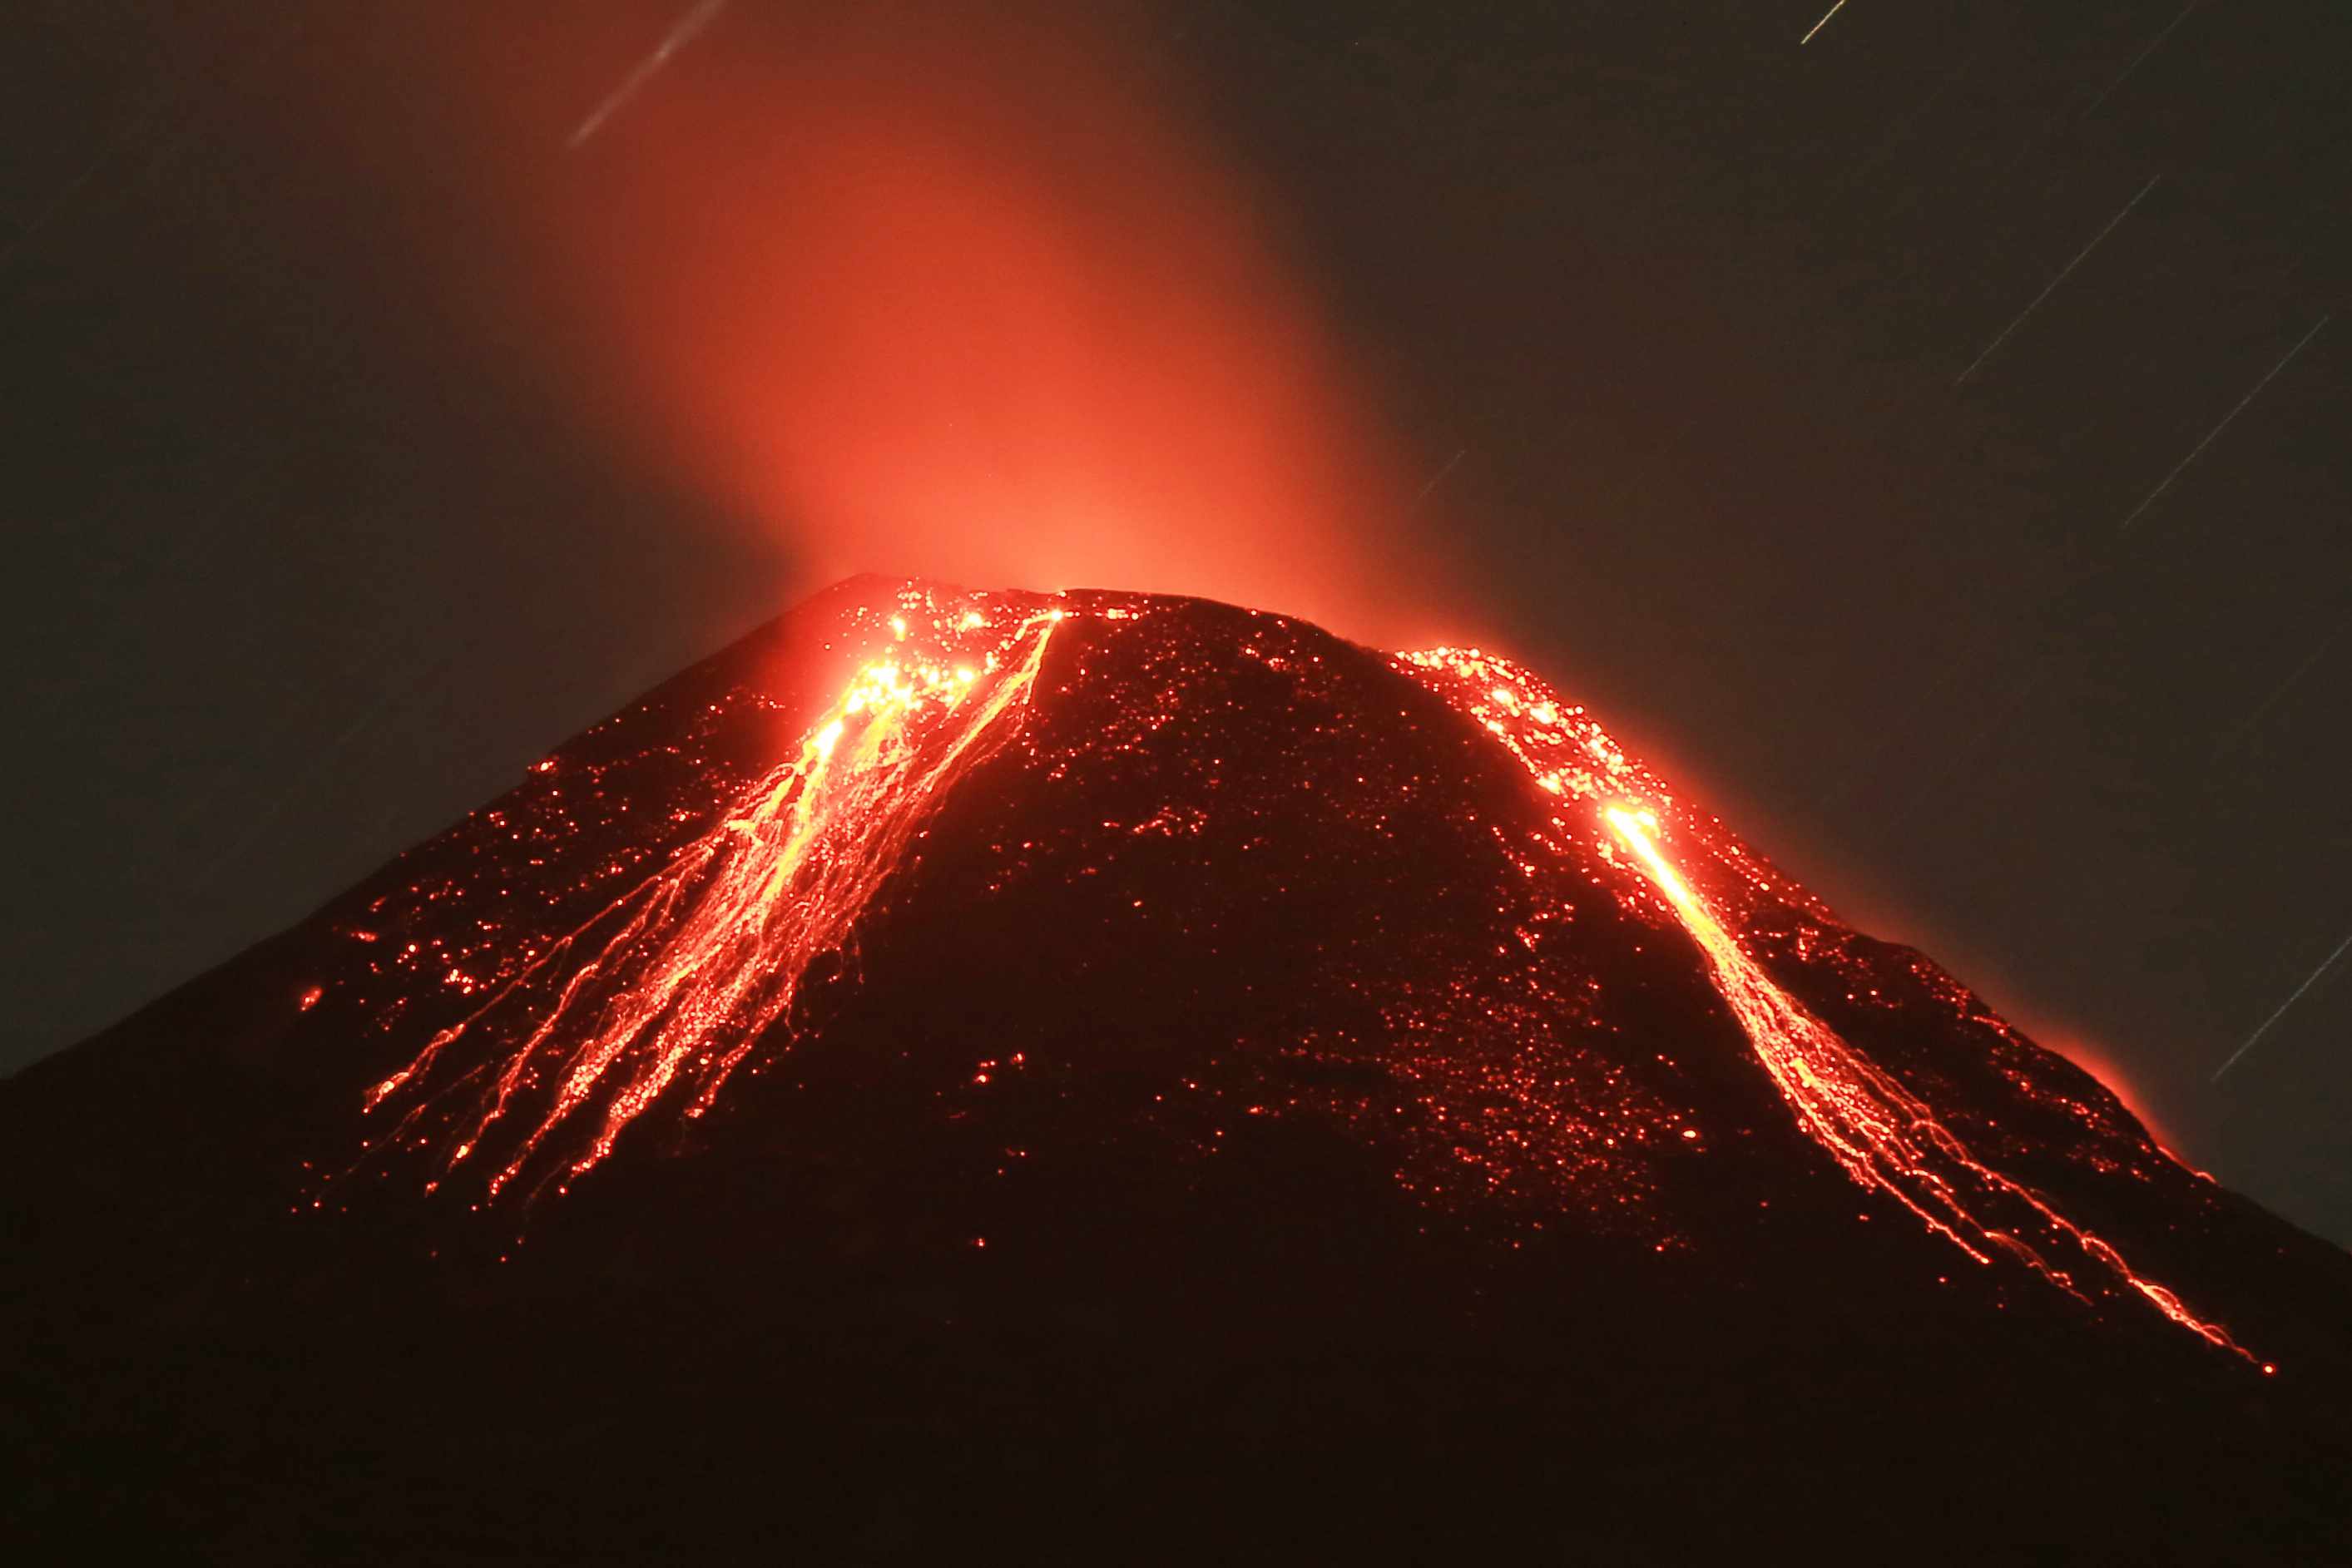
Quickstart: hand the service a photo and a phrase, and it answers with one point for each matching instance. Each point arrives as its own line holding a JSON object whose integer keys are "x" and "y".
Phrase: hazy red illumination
{"x": 955, "y": 290}
{"x": 2103, "y": 1066}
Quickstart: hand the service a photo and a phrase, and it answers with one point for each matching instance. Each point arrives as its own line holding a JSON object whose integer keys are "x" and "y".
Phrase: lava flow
{"x": 699, "y": 959}
{"x": 668, "y": 988}
{"x": 1884, "y": 1137}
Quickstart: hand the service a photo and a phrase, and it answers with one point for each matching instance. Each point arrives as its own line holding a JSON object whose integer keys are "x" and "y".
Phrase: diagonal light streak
{"x": 2154, "y": 44}
{"x": 2166, "y": 483}
{"x": 2294, "y": 996}
{"x": 678, "y": 38}
{"x": 2051, "y": 286}
{"x": 1819, "y": 25}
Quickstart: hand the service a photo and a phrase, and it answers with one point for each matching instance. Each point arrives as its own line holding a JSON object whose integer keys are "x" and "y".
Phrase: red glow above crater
{"x": 948, "y": 289}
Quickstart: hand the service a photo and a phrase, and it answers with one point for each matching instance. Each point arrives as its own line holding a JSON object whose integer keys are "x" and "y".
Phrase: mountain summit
{"x": 1113, "y": 1073}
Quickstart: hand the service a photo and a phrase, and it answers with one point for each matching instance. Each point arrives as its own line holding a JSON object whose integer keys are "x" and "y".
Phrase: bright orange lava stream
{"x": 710, "y": 951}
{"x": 1884, "y": 1137}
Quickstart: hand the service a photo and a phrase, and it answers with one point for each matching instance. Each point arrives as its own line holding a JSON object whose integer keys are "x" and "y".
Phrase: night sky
{"x": 1926, "y": 443}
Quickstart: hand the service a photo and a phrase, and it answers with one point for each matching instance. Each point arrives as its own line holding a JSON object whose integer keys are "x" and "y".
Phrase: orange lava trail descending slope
{"x": 1886, "y": 1138}
{"x": 706, "y": 954}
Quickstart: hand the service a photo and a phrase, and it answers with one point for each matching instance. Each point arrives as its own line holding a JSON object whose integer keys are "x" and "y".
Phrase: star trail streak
{"x": 2154, "y": 44}
{"x": 2002, "y": 337}
{"x": 2165, "y": 482}
{"x": 2253, "y": 720}
{"x": 2292, "y": 996}
{"x": 704, "y": 13}
{"x": 1819, "y": 25}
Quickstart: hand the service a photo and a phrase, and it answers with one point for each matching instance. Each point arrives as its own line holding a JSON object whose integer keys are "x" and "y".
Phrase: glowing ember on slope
{"x": 696, "y": 963}
{"x": 1884, "y": 1137}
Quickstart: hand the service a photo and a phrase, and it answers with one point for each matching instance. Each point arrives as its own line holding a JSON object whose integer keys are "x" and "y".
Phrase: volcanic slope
{"x": 1121, "y": 1073}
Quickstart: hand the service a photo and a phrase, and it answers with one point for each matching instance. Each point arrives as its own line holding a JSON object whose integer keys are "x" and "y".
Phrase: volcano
{"x": 1107, "y": 1073}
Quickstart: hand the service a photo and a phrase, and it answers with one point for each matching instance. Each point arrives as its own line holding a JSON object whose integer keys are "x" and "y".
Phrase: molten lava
{"x": 678, "y": 978}
{"x": 1884, "y": 1137}
{"x": 666, "y": 990}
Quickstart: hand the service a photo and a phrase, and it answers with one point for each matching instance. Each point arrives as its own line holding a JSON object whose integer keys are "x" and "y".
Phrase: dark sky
{"x": 310, "y": 551}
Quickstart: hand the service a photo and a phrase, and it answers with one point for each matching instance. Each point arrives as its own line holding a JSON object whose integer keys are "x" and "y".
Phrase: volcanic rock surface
{"x": 1131, "y": 1076}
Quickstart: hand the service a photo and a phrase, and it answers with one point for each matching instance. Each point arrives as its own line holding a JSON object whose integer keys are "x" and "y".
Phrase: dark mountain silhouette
{"x": 986, "y": 1074}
